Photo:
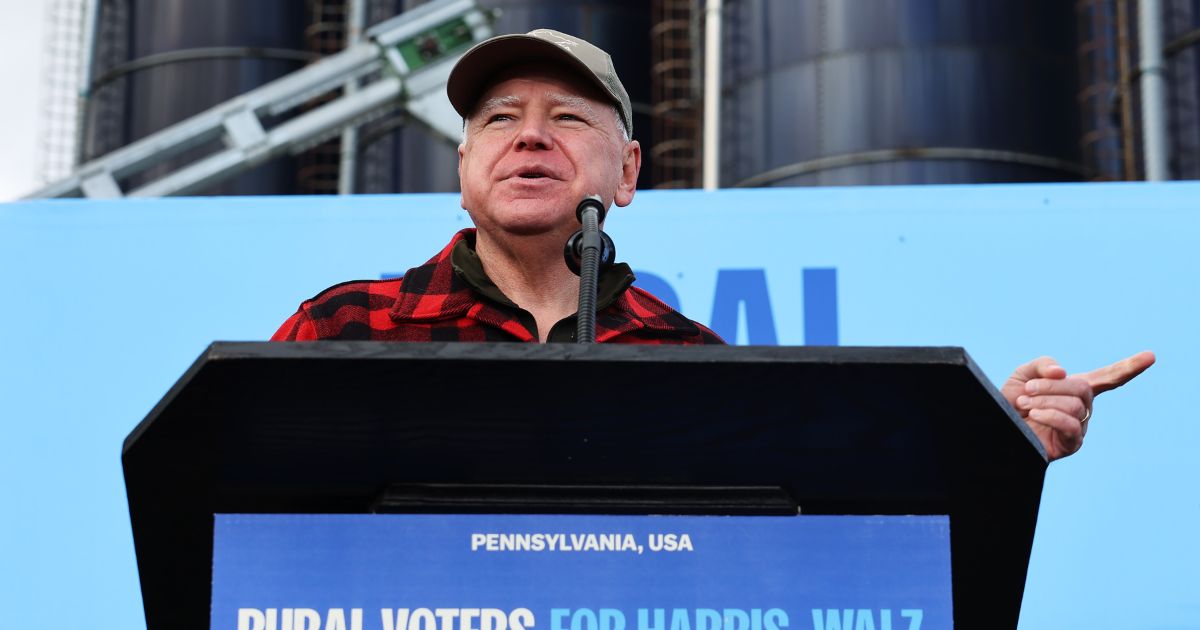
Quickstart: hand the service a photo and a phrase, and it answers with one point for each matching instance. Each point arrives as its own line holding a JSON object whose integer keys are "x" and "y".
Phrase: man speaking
{"x": 547, "y": 122}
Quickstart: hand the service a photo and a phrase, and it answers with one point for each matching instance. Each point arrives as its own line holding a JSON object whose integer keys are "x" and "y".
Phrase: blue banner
{"x": 509, "y": 572}
{"x": 106, "y": 303}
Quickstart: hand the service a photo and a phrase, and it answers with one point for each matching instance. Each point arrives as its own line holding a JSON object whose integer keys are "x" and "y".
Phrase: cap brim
{"x": 479, "y": 67}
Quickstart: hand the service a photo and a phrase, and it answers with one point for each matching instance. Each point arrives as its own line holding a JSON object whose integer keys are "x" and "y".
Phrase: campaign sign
{"x": 522, "y": 572}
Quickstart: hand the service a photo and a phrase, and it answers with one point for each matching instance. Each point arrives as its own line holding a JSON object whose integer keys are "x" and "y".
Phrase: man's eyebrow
{"x": 496, "y": 102}
{"x": 570, "y": 100}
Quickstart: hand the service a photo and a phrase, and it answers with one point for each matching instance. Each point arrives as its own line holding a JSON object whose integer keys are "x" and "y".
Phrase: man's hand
{"x": 1058, "y": 407}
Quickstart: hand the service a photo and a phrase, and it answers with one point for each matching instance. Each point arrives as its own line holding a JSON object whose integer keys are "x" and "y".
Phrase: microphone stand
{"x": 588, "y": 252}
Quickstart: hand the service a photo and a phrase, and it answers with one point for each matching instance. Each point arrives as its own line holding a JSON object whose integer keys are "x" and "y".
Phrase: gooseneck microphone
{"x": 588, "y": 252}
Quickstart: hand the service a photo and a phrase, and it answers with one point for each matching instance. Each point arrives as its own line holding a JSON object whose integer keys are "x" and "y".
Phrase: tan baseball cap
{"x": 477, "y": 68}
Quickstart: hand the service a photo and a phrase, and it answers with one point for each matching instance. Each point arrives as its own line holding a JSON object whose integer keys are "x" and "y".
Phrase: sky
{"x": 21, "y": 63}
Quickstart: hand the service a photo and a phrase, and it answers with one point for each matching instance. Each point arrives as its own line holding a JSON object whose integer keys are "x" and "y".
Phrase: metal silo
{"x": 1182, "y": 53}
{"x": 157, "y": 62}
{"x": 412, "y": 160}
{"x": 845, "y": 92}
{"x": 1107, "y": 133}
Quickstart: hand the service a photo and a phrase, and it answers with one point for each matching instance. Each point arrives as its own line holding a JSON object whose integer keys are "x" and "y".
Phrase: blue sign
{"x": 106, "y": 303}
{"x": 520, "y": 572}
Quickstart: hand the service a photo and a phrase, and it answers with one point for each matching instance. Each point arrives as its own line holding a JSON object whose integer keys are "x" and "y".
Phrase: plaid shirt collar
{"x": 441, "y": 289}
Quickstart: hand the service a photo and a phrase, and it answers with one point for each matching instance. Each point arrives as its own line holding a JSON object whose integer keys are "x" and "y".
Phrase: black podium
{"x": 357, "y": 427}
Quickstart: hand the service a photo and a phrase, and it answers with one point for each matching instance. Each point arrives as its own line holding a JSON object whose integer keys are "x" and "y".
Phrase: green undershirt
{"x": 467, "y": 265}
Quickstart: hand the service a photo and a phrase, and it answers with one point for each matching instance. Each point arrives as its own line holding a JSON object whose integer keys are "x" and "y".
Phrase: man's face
{"x": 539, "y": 141}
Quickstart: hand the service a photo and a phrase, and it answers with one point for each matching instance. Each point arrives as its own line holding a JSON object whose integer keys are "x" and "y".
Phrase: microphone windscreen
{"x": 591, "y": 201}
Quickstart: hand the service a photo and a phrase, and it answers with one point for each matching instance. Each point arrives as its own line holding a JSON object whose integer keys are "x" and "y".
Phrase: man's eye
{"x": 499, "y": 118}
{"x": 569, "y": 117}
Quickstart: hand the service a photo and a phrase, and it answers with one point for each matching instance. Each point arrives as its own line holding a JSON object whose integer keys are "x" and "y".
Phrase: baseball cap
{"x": 479, "y": 65}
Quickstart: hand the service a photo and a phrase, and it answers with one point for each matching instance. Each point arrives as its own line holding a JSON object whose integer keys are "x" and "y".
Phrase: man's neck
{"x": 531, "y": 272}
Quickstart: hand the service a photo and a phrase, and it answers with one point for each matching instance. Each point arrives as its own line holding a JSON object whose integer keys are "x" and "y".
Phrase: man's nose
{"x": 533, "y": 134}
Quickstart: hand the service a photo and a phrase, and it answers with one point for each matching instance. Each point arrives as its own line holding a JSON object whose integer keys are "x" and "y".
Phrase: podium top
{"x": 325, "y": 427}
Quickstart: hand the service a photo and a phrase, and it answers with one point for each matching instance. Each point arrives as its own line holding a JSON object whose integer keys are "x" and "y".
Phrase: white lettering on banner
{"x": 297, "y": 619}
{"x": 424, "y": 619}
{"x": 670, "y": 542}
{"x": 493, "y": 619}
{"x": 251, "y": 619}
{"x": 578, "y": 542}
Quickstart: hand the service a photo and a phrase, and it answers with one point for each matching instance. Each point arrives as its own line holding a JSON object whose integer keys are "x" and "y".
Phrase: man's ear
{"x": 631, "y": 165}
{"x": 462, "y": 149}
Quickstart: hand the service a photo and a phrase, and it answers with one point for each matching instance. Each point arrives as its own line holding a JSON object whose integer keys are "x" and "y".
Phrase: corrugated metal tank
{"x": 1182, "y": 34}
{"x": 412, "y": 160}
{"x": 139, "y": 91}
{"x": 847, "y": 92}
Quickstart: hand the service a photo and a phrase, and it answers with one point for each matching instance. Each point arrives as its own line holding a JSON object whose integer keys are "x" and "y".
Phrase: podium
{"x": 361, "y": 427}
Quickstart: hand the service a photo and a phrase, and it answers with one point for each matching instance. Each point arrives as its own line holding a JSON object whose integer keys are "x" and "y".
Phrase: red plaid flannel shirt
{"x": 434, "y": 303}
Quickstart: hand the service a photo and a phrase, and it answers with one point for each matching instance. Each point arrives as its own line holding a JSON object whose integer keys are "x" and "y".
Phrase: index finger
{"x": 1119, "y": 373}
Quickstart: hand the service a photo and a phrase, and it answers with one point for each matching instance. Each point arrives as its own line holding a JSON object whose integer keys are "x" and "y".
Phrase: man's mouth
{"x": 533, "y": 172}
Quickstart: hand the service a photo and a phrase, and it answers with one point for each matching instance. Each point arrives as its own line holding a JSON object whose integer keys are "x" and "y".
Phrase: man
{"x": 546, "y": 123}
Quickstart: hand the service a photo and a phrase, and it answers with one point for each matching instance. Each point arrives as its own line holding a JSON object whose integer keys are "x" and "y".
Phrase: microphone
{"x": 591, "y": 202}
{"x": 573, "y": 252}
{"x": 588, "y": 252}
